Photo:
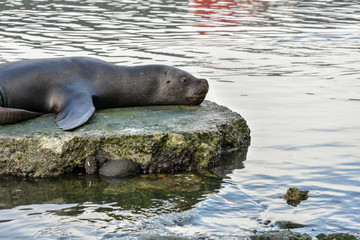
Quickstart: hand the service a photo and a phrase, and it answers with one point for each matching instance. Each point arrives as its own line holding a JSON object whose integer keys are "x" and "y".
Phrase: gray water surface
{"x": 290, "y": 68}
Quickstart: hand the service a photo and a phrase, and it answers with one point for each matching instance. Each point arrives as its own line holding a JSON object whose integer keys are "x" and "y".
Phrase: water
{"x": 290, "y": 68}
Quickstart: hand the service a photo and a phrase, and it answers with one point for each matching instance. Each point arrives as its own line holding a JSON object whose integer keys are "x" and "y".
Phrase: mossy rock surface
{"x": 289, "y": 235}
{"x": 281, "y": 235}
{"x": 157, "y": 138}
{"x": 337, "y": 236}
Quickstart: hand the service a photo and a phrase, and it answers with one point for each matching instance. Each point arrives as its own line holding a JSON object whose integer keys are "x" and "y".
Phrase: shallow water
{"x": 290, "y": 68}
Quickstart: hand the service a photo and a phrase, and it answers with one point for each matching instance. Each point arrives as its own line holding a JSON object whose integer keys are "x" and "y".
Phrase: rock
{"x": 281, "y": 235}
{"x": 321, "y": 236}
{"x": 289, "y": 224}
{"x": 91, "y": 165}
{"x": 119, "y": 168}
{"x": 336, "y": 236}
{"x": 157, "y": 139}
{"x": 294, "y": 196}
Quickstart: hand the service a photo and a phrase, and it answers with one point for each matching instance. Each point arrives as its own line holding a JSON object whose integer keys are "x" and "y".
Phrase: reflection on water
{"x": 229, "y": 13}
{"x": 289, "y": 67}
{"x": 74, "y": 203}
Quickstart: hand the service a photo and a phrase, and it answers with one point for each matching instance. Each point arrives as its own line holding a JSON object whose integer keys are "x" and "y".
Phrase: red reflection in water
{"x": 212, "y": 4}
{"x": 227, "y": 13}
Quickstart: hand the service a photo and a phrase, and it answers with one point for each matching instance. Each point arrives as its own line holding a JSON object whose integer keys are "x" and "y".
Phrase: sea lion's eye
{"x": 167, "y": 82}
{"x": 184, "y": 79}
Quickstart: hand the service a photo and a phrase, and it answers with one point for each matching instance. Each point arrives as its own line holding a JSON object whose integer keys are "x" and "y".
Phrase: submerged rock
{"x": 156, "y": 139}
{"x": 294, "y": 196}
{"x": 289, "y": 224}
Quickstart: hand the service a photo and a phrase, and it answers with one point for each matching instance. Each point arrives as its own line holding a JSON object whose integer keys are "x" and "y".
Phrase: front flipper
{"x": 14, "y": 115}
{"x": 77, "y": 110}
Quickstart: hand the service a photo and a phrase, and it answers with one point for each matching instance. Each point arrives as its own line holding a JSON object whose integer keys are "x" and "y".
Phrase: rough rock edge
{"x": 51, "y": 155}
{"x": 280, "y": 235}
{"x": 273, "y": 235}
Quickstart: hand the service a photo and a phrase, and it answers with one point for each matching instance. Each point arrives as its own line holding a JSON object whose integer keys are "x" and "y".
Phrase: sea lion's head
{"x": 179, "y": 87}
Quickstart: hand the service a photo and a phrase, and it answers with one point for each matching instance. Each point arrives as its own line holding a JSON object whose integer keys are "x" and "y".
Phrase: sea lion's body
{"x": 75, "y": 87}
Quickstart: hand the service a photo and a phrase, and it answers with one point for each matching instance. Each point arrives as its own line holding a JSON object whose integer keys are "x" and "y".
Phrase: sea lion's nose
{"x": 204, "y": 82}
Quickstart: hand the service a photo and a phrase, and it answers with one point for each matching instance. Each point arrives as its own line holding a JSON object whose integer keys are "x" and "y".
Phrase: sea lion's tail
{"x": 13, "y": 115}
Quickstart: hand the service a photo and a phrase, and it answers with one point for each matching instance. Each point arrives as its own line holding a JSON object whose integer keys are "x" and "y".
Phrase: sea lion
{"x": 74, "y": 87}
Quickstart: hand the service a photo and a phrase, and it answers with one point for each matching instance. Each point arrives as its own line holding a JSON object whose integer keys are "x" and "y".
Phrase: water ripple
{"x": 289, "y": 67}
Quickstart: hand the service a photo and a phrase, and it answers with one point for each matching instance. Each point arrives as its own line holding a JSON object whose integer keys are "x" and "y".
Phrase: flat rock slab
{"x": 156, "y": 139}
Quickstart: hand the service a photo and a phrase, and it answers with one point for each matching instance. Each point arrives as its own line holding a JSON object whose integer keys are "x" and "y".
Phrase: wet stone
{"x": 281, "y": 235}
{"x": 119, "y": 168}
{"x": 336, "y": 236}
{"x": 90, "y": 165}
{"x": 287, "y": 234}
{"x": 288, "y": 224}
{"x": 294, "y": 196}
{"x": 156, "y": 139}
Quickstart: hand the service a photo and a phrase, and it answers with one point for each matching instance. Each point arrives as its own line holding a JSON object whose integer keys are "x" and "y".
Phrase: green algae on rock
{"x": 158, "y": 139}
{"x": 280, "y": 235}
{"x": 336, "y": 236}
{"x": 294, "y": 196}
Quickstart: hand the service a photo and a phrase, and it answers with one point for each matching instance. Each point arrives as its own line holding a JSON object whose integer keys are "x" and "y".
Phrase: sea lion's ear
{"x": 14, "y": 115}
{"x": 76, "y": 110}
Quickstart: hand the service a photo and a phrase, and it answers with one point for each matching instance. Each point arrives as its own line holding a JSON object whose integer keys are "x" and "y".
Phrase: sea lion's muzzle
{"x": 204, "y": 87}
{"x": 200, "y": 93}
{"x": 204, "y": 83}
